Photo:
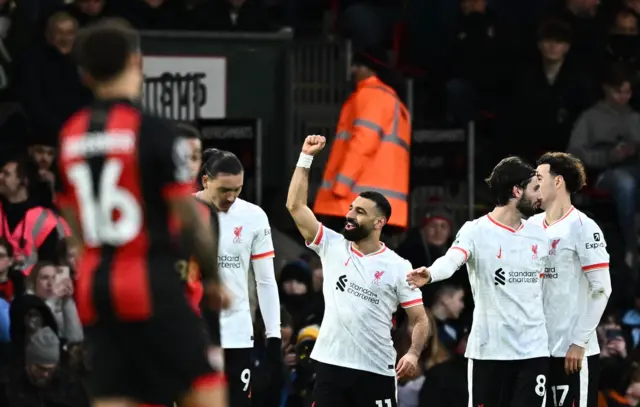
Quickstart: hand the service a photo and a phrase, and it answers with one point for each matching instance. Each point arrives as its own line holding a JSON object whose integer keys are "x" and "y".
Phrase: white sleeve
{"x": 594, "y": 258}
{"x": 262, "y": 245}
{"x": 268, "y": 297}
{"x": 407, "y": 297}
{"x": 458, "y": 254}
{"x": 591, "y": 247}
{"x": 262, "y": 262}
{"x": 599, "y": 292}
{"x": 324, "y": 238}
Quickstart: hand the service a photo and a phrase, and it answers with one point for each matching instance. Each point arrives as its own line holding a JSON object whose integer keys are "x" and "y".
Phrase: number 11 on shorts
{"x": 383, "y": 403}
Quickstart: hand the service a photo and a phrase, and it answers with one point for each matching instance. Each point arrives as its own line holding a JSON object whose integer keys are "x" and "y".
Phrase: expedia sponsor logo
{"x": 593, "y": 245}
{"x": 549, "y": 272}
{"x": 229, "y": 262}
{"x": 362, "y": 293}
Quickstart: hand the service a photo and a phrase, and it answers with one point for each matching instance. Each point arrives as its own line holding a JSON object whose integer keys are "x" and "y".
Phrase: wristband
{"x": 305, "y": 160}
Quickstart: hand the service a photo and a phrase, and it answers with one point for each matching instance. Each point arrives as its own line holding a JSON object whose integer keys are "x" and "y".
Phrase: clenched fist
{"x": 313, "y": 145}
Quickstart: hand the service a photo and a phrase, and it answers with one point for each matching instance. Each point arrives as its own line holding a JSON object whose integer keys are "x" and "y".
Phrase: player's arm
{"x": 418, "y": 320}
{"x": 297, "y": 206}
{"x": 594, "y": 259}
{"x": 262, "y": 254}
{"x": 410, "y": 298}
{"x": 65, "y": 203}
{"x": 364, "y": 140}
{"x": 458, "y": 254}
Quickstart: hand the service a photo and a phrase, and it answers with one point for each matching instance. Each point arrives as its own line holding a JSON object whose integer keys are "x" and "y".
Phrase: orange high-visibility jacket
{"x": 370, "y": 153}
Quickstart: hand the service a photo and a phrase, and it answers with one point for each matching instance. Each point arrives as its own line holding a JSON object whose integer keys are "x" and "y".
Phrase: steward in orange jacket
{"x": 371, "y": 149}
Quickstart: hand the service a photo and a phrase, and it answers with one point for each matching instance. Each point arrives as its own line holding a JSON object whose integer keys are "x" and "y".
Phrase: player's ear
{"x": 380, "y": 222}
{"x": 559, "y": 180}
{"x": 516, "y": 191}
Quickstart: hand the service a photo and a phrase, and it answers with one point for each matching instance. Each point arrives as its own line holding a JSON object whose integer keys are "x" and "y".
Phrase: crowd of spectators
{"x": 553, "y": 75}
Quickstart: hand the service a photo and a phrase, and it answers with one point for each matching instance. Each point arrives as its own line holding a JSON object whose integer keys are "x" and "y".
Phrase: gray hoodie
{"x": 599, "y": 129}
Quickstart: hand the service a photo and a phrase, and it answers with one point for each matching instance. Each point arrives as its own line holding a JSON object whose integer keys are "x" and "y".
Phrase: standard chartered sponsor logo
{"x": 229, "y": 262}
{"x": 550, "y": 272}
{"x": 522, "y": 276}
{"x": 363, "y": 293}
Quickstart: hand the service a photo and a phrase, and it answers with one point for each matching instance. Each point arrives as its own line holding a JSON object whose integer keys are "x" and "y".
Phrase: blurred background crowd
{"x": 530, "y": 76}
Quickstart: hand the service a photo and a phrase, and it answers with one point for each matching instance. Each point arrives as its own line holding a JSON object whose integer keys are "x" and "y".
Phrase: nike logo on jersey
{"x": 500, "y": 253}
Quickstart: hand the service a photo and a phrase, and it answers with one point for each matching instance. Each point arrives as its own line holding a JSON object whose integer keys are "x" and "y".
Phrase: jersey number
{"x": 245, "y": 378}
{"x": 383, "y": 403}
{"x": 541, "y": 388}
{"x": 559, "y": 391}
{"x": 97, "y": 213}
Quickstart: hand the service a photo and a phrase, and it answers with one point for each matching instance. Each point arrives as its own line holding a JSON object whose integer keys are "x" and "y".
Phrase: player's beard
{"x": 527, "y": 207}
{"x": 357, "y": 233}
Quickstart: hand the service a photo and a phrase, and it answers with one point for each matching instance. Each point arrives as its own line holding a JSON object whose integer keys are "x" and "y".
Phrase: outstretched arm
{"x": 297, "y": 197}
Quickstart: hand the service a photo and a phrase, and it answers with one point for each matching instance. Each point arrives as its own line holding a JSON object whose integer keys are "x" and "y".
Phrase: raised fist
{"x": 313, "y": 144}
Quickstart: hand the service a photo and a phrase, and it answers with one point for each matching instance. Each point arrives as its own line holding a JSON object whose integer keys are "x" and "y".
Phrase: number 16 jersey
{"x": 118, "y": 167}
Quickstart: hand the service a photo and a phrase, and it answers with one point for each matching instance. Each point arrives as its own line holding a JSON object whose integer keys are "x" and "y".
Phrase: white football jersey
{"x": 361, "y": 293}
{"x": 245, "y": 235}
{"x": 505, "y": 268}
{"x": 577, "y": 246}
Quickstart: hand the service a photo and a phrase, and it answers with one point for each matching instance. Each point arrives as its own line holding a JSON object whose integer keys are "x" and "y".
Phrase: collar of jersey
{"x": 546, "y": 225}
{"x": 358, "y": 253}
{"x": 503, "y": 226}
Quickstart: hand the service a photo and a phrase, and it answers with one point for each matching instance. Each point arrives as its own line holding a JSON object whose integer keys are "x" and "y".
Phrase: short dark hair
{"x": 187, "y": 130}
{"x": 508, "y": 173}
{"x": 446, "y": 290}
{"x": 568, "y": 167}
{"x": 382, "y": 204}
{"x": 103, "y": 48}
{"x": 555, "y": 30}
{"x": 216, "y": 162}
{"x": 616, "y": 75}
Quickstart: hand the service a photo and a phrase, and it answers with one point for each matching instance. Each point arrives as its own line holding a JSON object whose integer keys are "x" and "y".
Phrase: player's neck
{"x": 118, "y": 89}
{"x": 557, "y": 209}
{"x": 367, "y": 246}
{"x": 508, "y": 216}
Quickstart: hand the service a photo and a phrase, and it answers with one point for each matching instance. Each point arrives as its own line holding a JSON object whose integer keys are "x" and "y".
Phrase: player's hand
{"x": 407, "y": 366}
{"x": 418, "y": 277}
{"x": 218, "y": 297}
{"x": 313, "y": 144}
{"x": 573, "y": 360}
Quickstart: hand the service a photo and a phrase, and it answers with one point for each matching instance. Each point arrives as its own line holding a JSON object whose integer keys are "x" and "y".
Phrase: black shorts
{"x": 151, "y": 361}
{"x": 576, "y": 390}
{"x": 237, "y": 366}
{"x": 508, "y": 383}
{"x": 338, "y": 386}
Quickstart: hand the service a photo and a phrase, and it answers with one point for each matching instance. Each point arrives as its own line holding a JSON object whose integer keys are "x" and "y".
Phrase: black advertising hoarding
{"x": 216, "y": 75}
{"x": 243, "y": 137}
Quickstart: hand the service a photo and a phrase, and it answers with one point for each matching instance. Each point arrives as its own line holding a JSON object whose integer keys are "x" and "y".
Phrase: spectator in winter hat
{"x": 430, "y": 240}
{"x": 42, "y": 355}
